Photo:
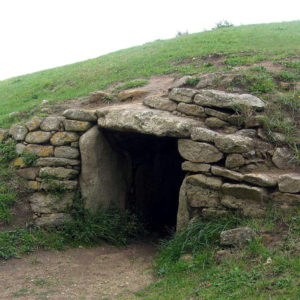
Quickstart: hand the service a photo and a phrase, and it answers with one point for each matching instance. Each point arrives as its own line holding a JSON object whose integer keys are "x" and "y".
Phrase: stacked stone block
{"x": 53, "y": 177}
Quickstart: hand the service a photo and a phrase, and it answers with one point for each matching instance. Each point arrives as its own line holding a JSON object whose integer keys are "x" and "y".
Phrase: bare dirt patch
{"x": 103, "y": 272}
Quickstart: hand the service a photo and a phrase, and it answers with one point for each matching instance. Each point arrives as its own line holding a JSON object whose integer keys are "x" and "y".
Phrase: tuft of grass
{"x": 197, "y": 237}
{"x": 256, "y": 271}
{"x": 84, "y": 229}
{"x": 131, "y": 84}
{"x": 259, "y": 83}
{"x": 192, "y": 81}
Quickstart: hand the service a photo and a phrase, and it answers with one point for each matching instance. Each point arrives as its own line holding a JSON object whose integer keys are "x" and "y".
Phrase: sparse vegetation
{"x": 258, "y": 271}
{"x": 131, "y": 84}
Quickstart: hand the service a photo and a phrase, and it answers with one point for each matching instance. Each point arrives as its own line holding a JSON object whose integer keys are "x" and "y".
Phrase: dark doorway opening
{"x": 154, "y": 178}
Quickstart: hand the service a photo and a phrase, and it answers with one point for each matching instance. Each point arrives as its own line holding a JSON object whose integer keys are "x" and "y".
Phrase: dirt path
{"x": 103, "y": 272}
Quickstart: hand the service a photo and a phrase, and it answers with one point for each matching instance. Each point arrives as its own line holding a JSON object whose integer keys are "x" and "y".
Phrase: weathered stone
{"x": 75, "y": 144}
{"x": 198, "y": 196}
{"x": 250, "y": 200}
{"x": 180, "y": 82}
{"x": 191, "y": 110}
{"x": 211, "y": 212}
{"x": 18, "y": 162}
{"x": 203, "y": 134}
{"x": 73, "y": 125}
{"x": 251, "y": 133}
{"x": 289, "y": 183}
{"x": 237, "y": 237}
{"x": 203, "y": 191}
{"x": 218, "y": 114}
{"x": 215, "y": 123}
{"x": 182, "y": 95}
{"x": 28, "y": 173}
{"x": 52, "y": 124}
{"x": 33, "y": 185}
{"x": 34, "y": 123}
{"x": 64, "y": 138}
{"x": 104, "y": 175}
{"x": 285, "y": 199}
{"x": 195, "y": 167}
{"x": 3, "y": 134}
{"x": 220, "y": 99}
{"x": 48, "y": 220}
{"x": 243, "y": 191}
{"x": 219, "y": 171}
{"x": 47, "y": 203}
{"x": 18, "y": 132}
{"x": 260, "y": 179}
{"x": 20, "y": 148}
{"x": 38, "y": 137}
{"x": 56, "y": 162}
{"x": 42, "y": 151}
{"x": 158, "y": 102}
{"x": 183, "y": 215}
{"x": 232, "y": 143}
{"x": 66, "y": 152}
{"x": 234, "y": 161}
{"x": 97, "y": 96}
{"x": 138, "y": 118}
{"x": 80, "y": 115}
{"x": 283, "y": 158}
{"x": 198, "y": 152}
{"x": 209, "y": 182}
{"x": 59, "y": 173}
{"x": 55, "y": 185}
{"x": 214, "y": 79}
{"x": 132, "y": 94}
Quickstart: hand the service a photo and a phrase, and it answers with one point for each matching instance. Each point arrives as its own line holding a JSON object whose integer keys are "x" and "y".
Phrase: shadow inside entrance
{"x": 154, "y": 177}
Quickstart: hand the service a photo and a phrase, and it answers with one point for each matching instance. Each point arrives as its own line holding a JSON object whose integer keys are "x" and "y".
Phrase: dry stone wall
{"x": 228, "y": 163}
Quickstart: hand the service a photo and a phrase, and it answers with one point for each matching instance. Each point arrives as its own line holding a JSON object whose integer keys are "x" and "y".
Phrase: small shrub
{"x": 208, "y": 64}
{"x": 192, "y": 81}
{"x": 29, "y": 158}
{"x": 223, "y": 24}
{"x": 7, "y": 151}
{"x": 285, "y": 76}
{"x": 194, "y": 238}
{"x": 181, "y": 33}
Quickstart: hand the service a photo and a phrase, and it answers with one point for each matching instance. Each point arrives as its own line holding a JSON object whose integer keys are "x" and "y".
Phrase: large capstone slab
{"x": 138, "y": 118}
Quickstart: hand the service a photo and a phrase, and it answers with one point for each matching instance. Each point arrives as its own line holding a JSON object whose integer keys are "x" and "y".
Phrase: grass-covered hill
{"x": 191, "y": 264}
{"x": 220, "y": 49}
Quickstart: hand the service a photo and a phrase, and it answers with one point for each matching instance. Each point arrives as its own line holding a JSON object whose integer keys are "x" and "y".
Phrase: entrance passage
{"x": 154, "y": 178}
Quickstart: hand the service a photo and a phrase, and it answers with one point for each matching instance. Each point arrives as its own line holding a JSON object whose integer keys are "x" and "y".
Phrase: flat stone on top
{"x": 138, "y": 118}
{"x": 220, "y": 99}
{"x": 182, "y": 95}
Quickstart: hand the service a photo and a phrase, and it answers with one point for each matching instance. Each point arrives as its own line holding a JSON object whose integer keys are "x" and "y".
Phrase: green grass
{"x": 253, "y": 272}
{"x": 238, "y": 45}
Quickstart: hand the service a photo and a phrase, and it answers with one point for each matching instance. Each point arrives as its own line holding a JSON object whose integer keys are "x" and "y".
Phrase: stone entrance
{"x": 139, "y": 172}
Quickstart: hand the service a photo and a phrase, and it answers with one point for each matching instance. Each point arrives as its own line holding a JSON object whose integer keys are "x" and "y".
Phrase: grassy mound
{"x": 219, "y": 49}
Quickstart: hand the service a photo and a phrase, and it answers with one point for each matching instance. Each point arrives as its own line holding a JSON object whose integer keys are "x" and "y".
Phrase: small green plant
{"x": 192, "y": 81}
{"x": 7, "y": 151}
{"x": 29, "y": 158}
{"x": 208, "y": 64}
{"x": 285, "y": 76}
